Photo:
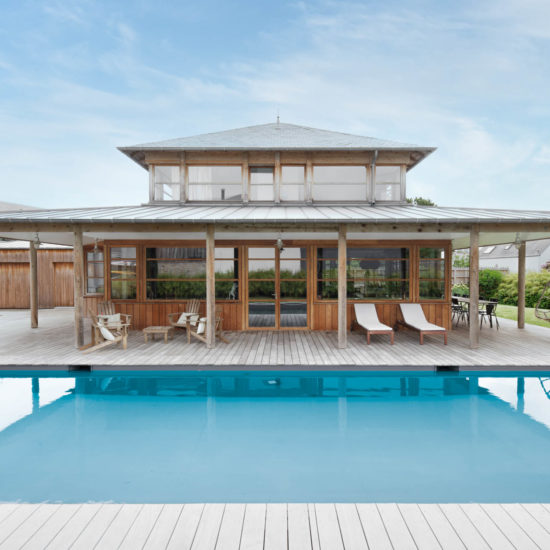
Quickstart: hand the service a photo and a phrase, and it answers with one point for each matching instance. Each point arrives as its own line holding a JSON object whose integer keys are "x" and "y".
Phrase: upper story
{"x": 277, "y": 164}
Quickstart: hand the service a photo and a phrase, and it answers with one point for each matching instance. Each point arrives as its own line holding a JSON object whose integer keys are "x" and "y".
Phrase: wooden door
{"x": 63, "y": 284}
{"x": 14, "y": 285}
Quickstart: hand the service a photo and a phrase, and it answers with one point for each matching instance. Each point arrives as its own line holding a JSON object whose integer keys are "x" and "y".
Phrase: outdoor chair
{"x": 103, "y": 336}
{"x": 182, "y": 319}
{"x": 458, "y": 311}
{"x": 110, "y": 318}
{"x": 198, "y": 327}
{"x": 367, "y": 318}
{"x": 413, "y": 317}
{"x": 488, "y": 312}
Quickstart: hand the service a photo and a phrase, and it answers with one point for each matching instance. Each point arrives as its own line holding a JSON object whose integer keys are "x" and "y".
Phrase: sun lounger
{"x": 413, "y": 317}
{"x": 367, "y": 318}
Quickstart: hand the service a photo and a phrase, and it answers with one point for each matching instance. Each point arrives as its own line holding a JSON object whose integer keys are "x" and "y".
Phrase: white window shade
{"x": 167, "y": 183}
{"x": 215, "y": 183}
{"x": 292, "y": 183}
{"x": 339, "y": 183}
{"x": 388, "y": 183}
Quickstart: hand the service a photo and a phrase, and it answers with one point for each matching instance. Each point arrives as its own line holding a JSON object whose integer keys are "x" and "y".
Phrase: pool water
{"x": 274, "y": 437}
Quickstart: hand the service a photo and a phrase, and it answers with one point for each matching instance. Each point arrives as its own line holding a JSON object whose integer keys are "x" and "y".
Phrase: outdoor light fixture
{"x": 36, "y": 240}
{"x": 280, "y": 244}
{"x": 517, "y": 242}
{"x": 96, "y": 248}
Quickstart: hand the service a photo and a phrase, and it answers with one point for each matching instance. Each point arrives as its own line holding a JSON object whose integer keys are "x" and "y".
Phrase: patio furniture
{"x": 102, "y": 336}
{"x": 458, "y": 311}
{"x": 166, "y": 331}
{"x": 111, "y": 319}
{"x": 367, "y": 318}
{"x": 197, "y": 328}
{"x": 540, "y": 313}
{"x": 488, "y": 312}
{"x": 182, "y": 319}
{"x": 413, "y": 317}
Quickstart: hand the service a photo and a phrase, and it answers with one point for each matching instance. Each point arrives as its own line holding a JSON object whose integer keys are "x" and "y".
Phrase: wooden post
{"x": 474, "y": 287}
{"x": 33, "y": 284}
{"x": 78, "y": 263}
{"x": 521, "y": 285}
{"x": 342, "y": 288}
{"x": 210, "y": 288}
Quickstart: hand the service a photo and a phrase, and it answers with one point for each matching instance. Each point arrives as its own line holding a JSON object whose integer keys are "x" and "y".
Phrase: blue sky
{"x": 79, "y": 78}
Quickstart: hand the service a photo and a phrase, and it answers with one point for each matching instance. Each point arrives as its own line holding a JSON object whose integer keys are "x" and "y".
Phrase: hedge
{"x": 534, "y": 286}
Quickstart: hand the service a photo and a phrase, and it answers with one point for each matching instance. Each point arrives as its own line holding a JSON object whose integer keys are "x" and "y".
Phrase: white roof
{"x": 24, "y": 245}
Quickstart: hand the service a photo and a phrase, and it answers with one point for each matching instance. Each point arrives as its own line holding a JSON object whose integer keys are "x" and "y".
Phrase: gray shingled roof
{"x": 273, "y": 137}
{"x": 345, "y": 213}
{"x": 532, "y": 248}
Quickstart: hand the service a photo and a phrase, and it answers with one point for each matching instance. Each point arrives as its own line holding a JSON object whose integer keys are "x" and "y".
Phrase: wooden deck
{"x": 52, "y": 345}
{"x": 275, "y": 526}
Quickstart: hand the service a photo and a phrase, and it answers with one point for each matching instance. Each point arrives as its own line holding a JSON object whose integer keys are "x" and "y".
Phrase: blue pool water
{"x": 230, "y": 437}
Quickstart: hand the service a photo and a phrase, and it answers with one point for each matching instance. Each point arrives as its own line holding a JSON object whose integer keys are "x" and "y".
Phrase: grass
{"x": 511, "y": 312}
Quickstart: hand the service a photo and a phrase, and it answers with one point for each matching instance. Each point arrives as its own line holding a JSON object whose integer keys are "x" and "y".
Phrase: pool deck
{"x": 275, "y": 526}
{"x": 51, "y": 345}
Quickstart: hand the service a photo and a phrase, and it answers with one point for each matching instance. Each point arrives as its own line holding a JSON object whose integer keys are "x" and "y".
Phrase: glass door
{"x": 277, "y": 287}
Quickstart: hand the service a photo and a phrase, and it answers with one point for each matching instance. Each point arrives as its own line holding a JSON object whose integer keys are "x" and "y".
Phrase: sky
{"x": 79, "y": 78}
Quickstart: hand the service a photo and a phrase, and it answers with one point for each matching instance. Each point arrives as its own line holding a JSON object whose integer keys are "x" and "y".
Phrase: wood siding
{"x": 14, "y": 278}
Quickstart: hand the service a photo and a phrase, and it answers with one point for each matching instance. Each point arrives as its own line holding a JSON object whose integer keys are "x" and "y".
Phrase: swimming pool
{"x": 274, "y": 437}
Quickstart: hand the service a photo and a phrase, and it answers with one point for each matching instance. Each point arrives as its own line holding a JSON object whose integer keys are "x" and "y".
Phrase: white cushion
{"x": 368, "y": 318}
{"x": 113, "y": 319}
{"x": 105, "y": 332}
{"x": 183, "y": 318}
{"x": 202, "y": 326}
{"x": 413, "y": 315}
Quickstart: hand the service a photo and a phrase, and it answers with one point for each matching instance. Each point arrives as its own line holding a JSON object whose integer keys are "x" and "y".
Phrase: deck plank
{"x": 72, "y": 529}
{"x": 299, "y": 536}
{"x": 442, "y": 529}
{"x": 540, "y": 513}
{"x": 30, "y": 526}
{"x": 276, "y": 527}
{"x": 18, "y": 517}
{"x": 185, "y": 529}
{"x": 94, "y": 530}
{"x": 164, "y": 526}
{"x": 231, "y": 527}
{"x": 350, "y": 527}
{"x": 330, "y": 537}
{"x": 419, "y": 528}
{"x": 253, "y": 534}
{"x": 506, "y": 524}
{"x": 529, "y": 524}
{"x": 396, "y": 527}
{"x": 209, "y": 527}
{"x": 46, "y": 533}
{"x": 139, "y": 532}
{"x": 373, "y": 527}
{"x": 464, "y": 528}
{"x": 119, "y": 527}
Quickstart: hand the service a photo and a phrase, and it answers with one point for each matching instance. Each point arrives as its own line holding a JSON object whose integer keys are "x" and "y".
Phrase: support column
{"x": 521, "y": 285}
{"x": 33, "y": 284}
{"x": 210, "y": 288}
{"x": 474, "y": 287}
{"x": 78, "y": 263}
{"x": 342, "y": 288}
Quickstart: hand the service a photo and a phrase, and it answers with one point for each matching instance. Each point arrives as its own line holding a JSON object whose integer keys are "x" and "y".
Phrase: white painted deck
{"x": 52, "y": 345}
{"x": 275, "y": 526}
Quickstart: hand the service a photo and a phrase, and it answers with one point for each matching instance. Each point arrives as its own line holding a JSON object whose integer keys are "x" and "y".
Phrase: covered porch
{"x": 52, "y": 345}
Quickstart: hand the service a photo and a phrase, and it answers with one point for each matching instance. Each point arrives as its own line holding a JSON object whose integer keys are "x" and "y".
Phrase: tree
{"x": 421, "y": 201}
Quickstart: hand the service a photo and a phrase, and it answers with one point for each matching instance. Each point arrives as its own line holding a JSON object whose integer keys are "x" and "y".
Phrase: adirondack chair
{"x": 103, "y": 336}
{"x": 198, "y": 327}
{"x": 182, "y": 319}
{"x": 110, "y": 318}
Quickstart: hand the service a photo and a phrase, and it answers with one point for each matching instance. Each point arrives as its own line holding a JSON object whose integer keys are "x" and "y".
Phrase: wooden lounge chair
{"x": 413, "y": 317}
{"x": 367, "y": 318}
{"x": 103, "y": 336}
{"x": 182, "y": 319}
{"x": 198, "y": 327}
{"x": 110, "y": 318}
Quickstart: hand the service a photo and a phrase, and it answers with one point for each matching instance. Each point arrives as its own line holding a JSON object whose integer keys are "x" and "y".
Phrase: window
{"x": 123, "y": 273}
{"x": 372, "y": 273}
{"x": 388, "y": 183}
{"x": 167, "y": 185}
{"x": 95, "y": 278}
{"x": 215, "y": 183}
{"x": 292, "y": 183}
{"x": 180, "y": 273}
{"x": 432, "y": 274}
{"x": 339, "y": 183}
{"x": 261, "y": 183}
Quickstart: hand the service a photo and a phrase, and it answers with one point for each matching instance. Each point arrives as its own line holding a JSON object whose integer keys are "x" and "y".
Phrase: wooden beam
{"x": 474, "y": 287}
{"x": 78, "y": 265}
{"x": 309, "y": 179}
{"x": 244, "y": 175}
{"x": 33, "y": 284}
{"x": 277, "y": 178}
{"x": 151, "y": 183}
{"x": 342, "y": 288}
{"x": 184, "y": 179}
{"x": 521, "y": 284}
{"x": 210, "y": 288}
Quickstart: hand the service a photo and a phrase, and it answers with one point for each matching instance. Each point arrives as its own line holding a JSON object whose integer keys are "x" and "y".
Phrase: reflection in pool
{"x": 274, "y": 436}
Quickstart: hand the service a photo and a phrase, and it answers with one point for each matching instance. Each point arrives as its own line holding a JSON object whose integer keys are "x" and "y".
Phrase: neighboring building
{"x": 279, "y": 199}
{"x": 55, "y": 275}
{"x": 506, "y": 256}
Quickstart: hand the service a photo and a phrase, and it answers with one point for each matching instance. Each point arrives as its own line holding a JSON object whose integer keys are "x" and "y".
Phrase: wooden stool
{"x": 166, "y": 331}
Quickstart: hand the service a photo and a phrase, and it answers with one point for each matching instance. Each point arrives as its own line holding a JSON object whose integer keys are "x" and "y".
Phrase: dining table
{"x": 481, "y": 302}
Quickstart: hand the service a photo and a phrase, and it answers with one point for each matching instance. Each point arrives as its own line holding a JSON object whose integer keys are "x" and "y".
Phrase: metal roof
{"x": 276, "y": 136}
{"x": 224, "y": 213}
{"x": 532, "y": 248}
{"x": 24, "y": 245}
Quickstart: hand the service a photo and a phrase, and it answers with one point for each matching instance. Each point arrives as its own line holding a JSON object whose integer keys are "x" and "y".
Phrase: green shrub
{"x": 461, "y": 290}
{"x": 534, "y": 286}
{"x": 489, "y": 281}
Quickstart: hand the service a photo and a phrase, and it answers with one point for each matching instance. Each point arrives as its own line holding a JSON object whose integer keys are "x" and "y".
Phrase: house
{"x": 283, "y": 226}
{"x": 505, "y": 256}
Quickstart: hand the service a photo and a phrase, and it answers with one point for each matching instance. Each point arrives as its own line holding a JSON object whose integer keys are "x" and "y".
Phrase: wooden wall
{"x": 52, "y": 290}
